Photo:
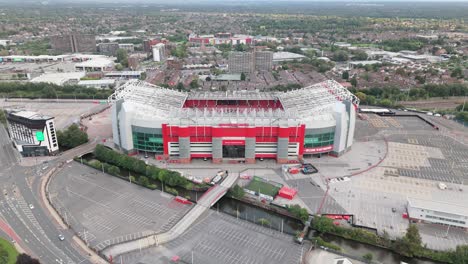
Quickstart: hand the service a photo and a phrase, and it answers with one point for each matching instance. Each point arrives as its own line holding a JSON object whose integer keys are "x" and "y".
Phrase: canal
{"x": 291, "y": 226}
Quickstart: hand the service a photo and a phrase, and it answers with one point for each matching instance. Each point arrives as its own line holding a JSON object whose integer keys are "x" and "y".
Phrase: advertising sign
{"x": 318, "y": 149}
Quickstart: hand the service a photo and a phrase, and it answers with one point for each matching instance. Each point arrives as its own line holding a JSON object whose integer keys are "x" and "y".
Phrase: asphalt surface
{"x": 34, "y": 230}
{"x": 205, "y": 202}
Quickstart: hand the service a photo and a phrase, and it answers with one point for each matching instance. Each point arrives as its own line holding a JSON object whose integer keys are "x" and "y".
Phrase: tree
{"x": 354, "y": 81}
{"x": 237, "y": 191}
{"x": 385, "y": 102}
{"x": 299, "y": 212}
{"x": 362, "y": 96}
{"x": 460, "y": 256}
{"x": 340, "y": 55}
{"x": 323, "y": 224}
{"x": 114, "y": 170}
{"x": 194, "y": 84}
{"x": 400, "y": 71}
{"x": 345, "y": 75}
{"x": 143, "y": 76}
{"x": 122, "y": 57}
{"x": 26, "y": 259}
{"x": 242, "y": 77}
{"x": 359, "y": 55}
{"x": 180, "y": 86}
{"x": 410, "y": 244}
{"x": 3, "y": 255}
{"x": 71, "y": 137}
{"x": 457, "y": 73}
{"x": 143, "y": 180}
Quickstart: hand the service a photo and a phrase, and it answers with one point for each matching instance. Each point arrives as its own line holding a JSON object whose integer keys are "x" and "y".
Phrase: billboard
{"x": 318, "y": 149}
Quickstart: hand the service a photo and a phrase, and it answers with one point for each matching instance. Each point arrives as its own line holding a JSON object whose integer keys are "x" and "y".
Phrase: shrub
{"x": 237, "y": 192}
{"x": 143, "y": 180}
{"x": 263, "y": 221}
{"x": 323, "y": 243}
{"x": 299, "y": 212}
{"x": 171, "y": 191}
{"x": 152, "y": 186}
{"x": 368, "y": 257}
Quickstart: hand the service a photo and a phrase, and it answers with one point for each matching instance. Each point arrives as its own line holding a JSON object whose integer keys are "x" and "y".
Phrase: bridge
{"x": 205, "y": 202}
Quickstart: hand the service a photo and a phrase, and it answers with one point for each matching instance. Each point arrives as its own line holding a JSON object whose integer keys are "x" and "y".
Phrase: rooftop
{"x": 96, "y": 62}
{"x": 58, "y": 78}
{"x": 283, "y": 55}
{"x": 30, "y": 115}
{"x": 450, "y": 208}
{"x": 312, "y": 102}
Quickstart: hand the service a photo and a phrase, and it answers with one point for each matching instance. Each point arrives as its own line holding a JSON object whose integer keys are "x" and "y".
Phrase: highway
{"x": 33, "y": 229}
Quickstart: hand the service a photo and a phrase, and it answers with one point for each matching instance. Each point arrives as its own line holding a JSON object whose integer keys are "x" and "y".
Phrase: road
{"x": 208, "y": 199}
{"x": 37, "y": 233}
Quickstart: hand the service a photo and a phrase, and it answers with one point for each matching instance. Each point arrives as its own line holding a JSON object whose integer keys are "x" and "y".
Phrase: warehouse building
{"x": 452, "y": 214}
{"x": 241, "y": 125}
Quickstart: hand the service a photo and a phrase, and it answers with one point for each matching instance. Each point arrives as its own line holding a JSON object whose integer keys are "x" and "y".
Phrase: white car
{"x": 31, "y": 206}
{"x": 61, "y": 237}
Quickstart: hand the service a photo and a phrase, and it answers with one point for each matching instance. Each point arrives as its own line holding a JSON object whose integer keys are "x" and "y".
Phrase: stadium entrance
{"x": 233, "y": 151}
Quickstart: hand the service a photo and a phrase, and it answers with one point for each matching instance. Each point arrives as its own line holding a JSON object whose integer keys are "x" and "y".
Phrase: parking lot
{"x": 219, "y": 238}
{"x": 65, "y": 113}
{"x": 417, "y": 159}
{"x": 105, "y": 210}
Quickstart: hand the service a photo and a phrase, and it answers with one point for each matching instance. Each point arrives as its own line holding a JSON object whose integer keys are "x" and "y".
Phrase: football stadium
{"x": 234, "y": 126}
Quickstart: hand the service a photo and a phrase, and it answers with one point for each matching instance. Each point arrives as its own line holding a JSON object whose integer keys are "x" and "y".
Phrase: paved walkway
{"x": 204, "y": 203}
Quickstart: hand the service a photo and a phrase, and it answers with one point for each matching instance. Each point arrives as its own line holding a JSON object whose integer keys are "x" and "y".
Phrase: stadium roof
{"x": 316, "y": 101}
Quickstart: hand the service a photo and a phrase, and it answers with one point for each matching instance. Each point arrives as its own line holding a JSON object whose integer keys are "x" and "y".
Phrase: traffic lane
{"x": 26, "y": 236}
{"x": 50, "y": 226}
{"x": 52, "y": 230}
{"x": 47, "y": 234}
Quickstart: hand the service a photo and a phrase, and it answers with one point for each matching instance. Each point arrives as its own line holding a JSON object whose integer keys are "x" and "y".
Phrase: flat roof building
{"x": 438, "y": 212}
{"x": 96, "y": 64}
{"x": 33, "y": 134}
{"x": 286, "y": 56}
{"x": 59, "y": 78}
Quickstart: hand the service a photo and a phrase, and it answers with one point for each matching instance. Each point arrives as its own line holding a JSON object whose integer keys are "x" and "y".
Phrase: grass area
{"x": 10, "y": 250}
{"x": 257, "y": 185}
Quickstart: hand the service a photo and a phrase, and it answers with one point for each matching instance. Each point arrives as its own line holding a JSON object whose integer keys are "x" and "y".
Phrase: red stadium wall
{"x": 206, "y": 133}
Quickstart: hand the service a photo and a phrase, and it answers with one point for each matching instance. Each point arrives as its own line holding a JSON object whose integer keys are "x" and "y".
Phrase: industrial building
{"x": 238, "y": 125}
{"x": 73, "y": 43}
{"x": 445, "y": 213}
{"x": 33, "y": 134}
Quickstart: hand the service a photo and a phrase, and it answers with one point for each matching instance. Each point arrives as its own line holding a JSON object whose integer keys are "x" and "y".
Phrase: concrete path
{"x": 204, "y": 203}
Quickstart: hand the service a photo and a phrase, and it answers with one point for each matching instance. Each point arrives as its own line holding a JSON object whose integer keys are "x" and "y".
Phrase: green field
{"x": 257, "y": 185}
{"x": 8, "y": 252}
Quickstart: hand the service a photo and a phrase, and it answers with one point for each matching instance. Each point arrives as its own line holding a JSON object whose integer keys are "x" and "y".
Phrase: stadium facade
{"x": 236, "y": 125}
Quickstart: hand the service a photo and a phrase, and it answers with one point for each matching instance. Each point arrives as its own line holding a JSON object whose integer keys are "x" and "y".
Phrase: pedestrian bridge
{"x": 204, "y": 204}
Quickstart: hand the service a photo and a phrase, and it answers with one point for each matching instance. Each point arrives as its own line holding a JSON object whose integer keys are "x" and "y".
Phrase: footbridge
{"x": 205, "y": 202}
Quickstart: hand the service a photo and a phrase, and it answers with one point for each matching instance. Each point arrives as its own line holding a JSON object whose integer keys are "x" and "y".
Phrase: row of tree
{"x": 171, "y": 178}
{"x": 371, "y": 95}
{"x": 51, "y": 91}
{"x": 409, "y": 245}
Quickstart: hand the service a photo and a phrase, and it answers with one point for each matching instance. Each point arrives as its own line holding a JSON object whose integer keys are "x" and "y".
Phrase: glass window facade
{"x": 319, "y": 140}
{"x": 148, "y": 142}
